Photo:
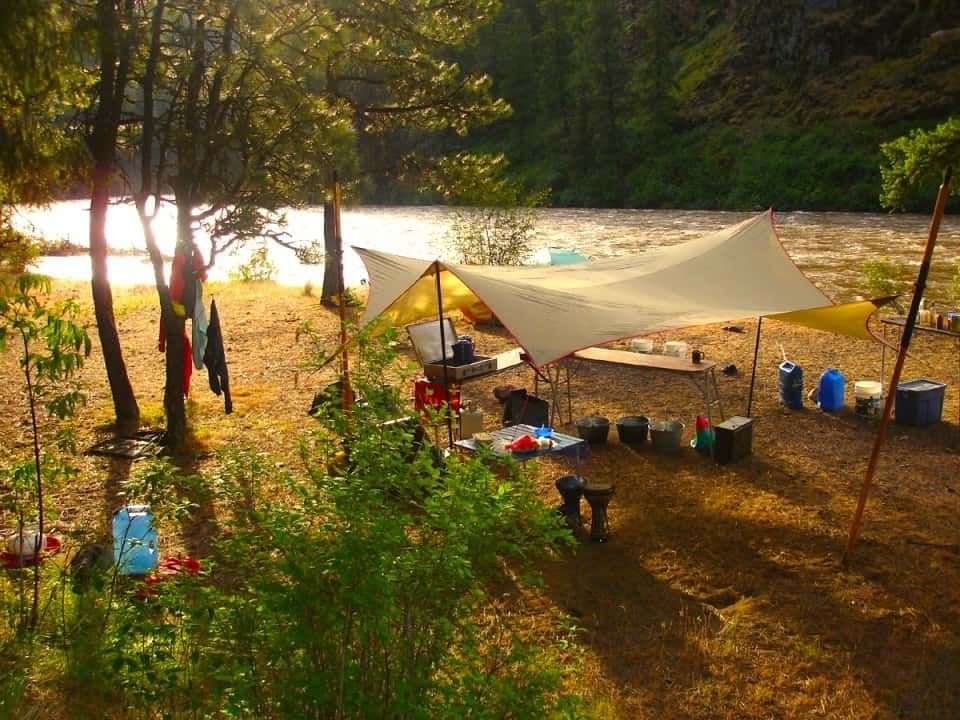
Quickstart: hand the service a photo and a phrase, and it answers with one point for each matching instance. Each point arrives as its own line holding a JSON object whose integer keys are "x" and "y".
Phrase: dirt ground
{"x": 721, "y": 593}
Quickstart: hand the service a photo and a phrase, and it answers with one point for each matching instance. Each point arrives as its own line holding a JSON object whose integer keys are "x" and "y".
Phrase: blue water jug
{"x": 831, "y": 390}
{"x": 791, "y": 385}
{"x": 134, "y": 540}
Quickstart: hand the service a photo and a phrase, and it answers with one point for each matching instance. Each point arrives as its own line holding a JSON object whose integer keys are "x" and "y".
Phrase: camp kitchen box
{"x": 425, "y": 337}
{"x": 734, "y": 439}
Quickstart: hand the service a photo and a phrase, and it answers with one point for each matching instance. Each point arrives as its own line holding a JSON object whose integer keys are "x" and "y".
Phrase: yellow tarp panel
{"x": 847, "y": 319}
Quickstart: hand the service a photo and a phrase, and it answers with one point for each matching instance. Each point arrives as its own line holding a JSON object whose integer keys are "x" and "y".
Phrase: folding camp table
{"x": 703, "y": 375}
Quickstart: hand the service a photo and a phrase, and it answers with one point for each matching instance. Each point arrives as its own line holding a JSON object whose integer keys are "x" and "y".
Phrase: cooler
{"x": 733, "y": 439}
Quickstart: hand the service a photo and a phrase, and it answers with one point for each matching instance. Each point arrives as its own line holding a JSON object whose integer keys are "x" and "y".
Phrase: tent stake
{"x": 753, "y": 375}
{"x": 443, "y": 355}
{"x": 901, "y": 356}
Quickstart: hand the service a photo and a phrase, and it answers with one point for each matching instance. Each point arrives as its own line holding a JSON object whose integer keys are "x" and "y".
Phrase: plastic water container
{"x": 791, "y": 385}
{"x": 471, "y": 422}
{"x": 868, "y": 395}
{"x": 134, "y": 540}
{"x": 831, "y": 390}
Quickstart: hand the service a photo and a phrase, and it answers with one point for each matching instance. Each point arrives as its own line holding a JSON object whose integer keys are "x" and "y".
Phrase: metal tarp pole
{"x": 443, "y": 355}
{"x": 753, "y": 375}
{"x": 901, "y": 356}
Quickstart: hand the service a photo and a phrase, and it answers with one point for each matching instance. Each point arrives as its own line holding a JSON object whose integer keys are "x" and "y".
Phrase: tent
{"x": 553, "y": 311}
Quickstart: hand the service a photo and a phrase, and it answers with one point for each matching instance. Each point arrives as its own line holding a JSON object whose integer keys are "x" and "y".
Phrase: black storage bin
{"x": 734, "y": 439}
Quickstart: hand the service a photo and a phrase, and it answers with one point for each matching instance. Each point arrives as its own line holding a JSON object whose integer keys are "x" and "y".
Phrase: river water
{"x": 830, "y": 247}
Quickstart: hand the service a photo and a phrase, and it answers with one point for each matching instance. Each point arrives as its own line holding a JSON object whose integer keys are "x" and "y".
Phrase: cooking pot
{"x": 666, "y": 434}
{"x": 594, "y": 429}
{"x": 632, "y": 429}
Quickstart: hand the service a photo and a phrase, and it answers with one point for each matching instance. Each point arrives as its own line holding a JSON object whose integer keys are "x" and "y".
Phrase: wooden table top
{"x": 627, "y": 358}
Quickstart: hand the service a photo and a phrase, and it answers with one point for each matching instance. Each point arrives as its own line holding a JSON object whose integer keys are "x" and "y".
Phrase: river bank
{"x": 832, "y": 248}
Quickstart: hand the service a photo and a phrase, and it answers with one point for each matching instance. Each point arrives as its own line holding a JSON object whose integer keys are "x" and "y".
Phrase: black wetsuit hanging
{"x": 216, "y": 360}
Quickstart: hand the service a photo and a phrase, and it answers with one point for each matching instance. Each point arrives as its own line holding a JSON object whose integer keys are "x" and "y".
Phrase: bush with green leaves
{"x": 495, "y": 220}
{"x": 258, "y": 267}
{"x": 356, "y": 589}
{"x": 52, "y": 346}
{"x": 884, "y": 277}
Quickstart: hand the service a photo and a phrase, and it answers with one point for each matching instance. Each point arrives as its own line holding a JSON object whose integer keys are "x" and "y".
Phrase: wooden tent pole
{"x": 901, "y": 356}
{"x": 443, "y": 354}
{"x": 753, "y": 375}
{"x": 347, "y": 394}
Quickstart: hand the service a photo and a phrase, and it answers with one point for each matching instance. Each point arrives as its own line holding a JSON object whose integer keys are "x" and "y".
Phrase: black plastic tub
{"x": 632, "y": 429}
{"x": 593, "y": 429}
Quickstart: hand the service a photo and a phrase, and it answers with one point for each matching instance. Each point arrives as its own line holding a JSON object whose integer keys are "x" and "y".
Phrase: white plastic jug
{"x": 675, "y": 348}
{"x": 471, "y": 422}
{"x": 134, "y": 540}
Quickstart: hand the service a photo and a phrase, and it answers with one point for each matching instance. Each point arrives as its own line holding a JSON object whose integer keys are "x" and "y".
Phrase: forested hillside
{"x": 722, "y": 104}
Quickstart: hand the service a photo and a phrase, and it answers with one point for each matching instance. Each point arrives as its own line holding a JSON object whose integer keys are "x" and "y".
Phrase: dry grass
{"x": 721, "y": 593}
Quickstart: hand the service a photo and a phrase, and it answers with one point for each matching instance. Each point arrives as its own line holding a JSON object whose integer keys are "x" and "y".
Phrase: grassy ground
{"x": 721, "y": 593}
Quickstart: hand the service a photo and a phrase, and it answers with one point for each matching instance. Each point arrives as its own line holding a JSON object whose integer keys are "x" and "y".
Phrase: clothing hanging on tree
{"x": 199, "y": 328}
{"x": 186, "y": 293}
{"x": 187, "y": 357}
{"x": 216, "y": 360}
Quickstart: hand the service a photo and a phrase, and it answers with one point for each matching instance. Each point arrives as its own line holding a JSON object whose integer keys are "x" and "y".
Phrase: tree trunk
{"x": 102, "y": 145}
{"x": 173, "y": 393}
{"x": 173, "y": 398}
{"x": 331, "y": 257}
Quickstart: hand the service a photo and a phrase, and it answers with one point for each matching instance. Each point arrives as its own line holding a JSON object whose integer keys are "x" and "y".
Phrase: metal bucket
{"x": 632, "y": 429}
{"x": 593, "y": 429}
{"x": 666, "y": 434}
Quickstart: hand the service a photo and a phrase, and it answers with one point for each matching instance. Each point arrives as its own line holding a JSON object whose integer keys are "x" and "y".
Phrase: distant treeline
{"x": 648, "y": 103}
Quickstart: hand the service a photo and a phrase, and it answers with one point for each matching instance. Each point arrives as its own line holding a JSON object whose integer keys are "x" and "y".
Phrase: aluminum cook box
{"x": 425, "y": 337}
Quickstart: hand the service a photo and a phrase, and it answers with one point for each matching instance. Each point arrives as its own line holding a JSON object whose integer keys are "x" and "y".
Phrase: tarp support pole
{"x": 753, "y": 375}
{"x": 919, "y": 288}
{"x": 443, "y": 354}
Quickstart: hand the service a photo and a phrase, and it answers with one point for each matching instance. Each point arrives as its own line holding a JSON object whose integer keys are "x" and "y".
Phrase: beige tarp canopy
{"x": 553, "y": 311}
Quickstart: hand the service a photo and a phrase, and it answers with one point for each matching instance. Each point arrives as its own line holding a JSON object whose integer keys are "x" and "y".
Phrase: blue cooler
{"x": 791, "y": 385}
